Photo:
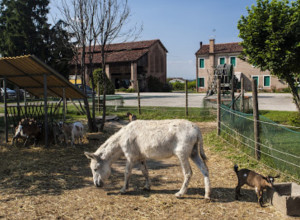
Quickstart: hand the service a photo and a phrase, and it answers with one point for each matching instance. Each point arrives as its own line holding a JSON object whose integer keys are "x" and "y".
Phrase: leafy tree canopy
{"x": 271, "y": 39}
{"x": 24, "y": 29}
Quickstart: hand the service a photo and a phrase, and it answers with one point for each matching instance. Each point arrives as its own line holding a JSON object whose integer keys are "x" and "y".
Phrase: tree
{"x": 271, "y": 40}
{"x": 113, "y": 16}
{"x": 24, "y": 30}
{"x": 101, "y": 22}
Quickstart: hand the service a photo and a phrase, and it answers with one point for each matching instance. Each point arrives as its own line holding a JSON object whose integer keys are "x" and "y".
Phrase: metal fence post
{"x": 256, "y": 119}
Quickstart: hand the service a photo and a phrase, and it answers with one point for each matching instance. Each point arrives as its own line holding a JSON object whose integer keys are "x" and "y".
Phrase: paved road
{"x": 266, "y": 101}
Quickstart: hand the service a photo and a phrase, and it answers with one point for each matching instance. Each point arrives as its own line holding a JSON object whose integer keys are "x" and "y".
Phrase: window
{"x": 222, "y": 60}
{"x": 267, "y": 81}
{"x": 201, "y": 82}
{"x": 201, "y": 63}
{"x": 255, "y": 79}
{"x": 233, "y": 61}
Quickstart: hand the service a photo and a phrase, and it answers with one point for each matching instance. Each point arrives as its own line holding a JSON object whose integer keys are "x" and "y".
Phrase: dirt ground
{"x": 56, "y": 183}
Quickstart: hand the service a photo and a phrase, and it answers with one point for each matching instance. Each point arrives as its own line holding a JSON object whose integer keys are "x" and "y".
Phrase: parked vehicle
{"x": 10, "y": 94}
{"x": 88, "y": 90}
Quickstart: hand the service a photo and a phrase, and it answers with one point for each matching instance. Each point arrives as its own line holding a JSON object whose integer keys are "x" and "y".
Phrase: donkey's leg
{"x": 202, "y": 166}
{"x": 128, "y": 169}
{"x": 146, "y": 175}
{"x": 187, "y": 172}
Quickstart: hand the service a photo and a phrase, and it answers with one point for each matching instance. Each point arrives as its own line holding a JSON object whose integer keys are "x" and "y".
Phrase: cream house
{"x": 210, "y": 55}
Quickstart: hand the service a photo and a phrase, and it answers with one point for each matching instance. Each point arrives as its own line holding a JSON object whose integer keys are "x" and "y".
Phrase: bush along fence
{"x": 275, "y": 145}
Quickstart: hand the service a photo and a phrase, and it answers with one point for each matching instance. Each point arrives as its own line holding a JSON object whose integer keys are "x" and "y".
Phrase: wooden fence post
{"x": 186, "y": 98}
{"x": 242, "y": 94}
{"x": 256, "y": 119}
{"x": 219, "y": 105}
{"x": 232, "y": 92}
{"x": 139, "y": 98}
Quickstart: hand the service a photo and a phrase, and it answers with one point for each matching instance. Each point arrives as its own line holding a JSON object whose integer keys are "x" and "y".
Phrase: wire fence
{"x": 279, "y": 144}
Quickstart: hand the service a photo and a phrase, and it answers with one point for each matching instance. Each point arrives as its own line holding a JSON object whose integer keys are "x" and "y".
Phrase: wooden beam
{"x": 5, "y": 111}
{"x": 45, "y": 111}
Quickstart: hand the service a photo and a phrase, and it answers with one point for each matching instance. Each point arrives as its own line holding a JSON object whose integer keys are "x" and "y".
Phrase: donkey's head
{"x": 100, "y": 168}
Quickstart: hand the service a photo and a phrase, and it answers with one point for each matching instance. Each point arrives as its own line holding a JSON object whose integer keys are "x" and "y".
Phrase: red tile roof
{"x": 221, "y": 48}
{"x": 124, "y": 52}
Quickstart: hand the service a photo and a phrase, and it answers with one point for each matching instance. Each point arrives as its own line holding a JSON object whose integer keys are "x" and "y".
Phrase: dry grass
{"x": 56, "y": 183}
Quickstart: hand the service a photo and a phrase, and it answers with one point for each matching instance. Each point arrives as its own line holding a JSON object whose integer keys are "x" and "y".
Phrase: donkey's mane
{"x": 110, "y": 146}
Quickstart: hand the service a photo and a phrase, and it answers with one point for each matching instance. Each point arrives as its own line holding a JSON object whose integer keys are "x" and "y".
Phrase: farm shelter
{"x": 31, "y": 74}
{"x": 128, "y": 62}
{"x": 209, "y": 56}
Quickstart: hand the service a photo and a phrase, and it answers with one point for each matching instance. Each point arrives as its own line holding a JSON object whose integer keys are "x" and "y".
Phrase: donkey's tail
{"x": 200, "y": 146}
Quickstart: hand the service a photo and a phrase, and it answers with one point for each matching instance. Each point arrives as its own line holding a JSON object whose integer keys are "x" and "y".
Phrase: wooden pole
{"x": 64, "y": 104}
{"x": 5, "y": 110}
{"x": 242, "y": 94}
{"x": 256, "y": 119}
{"x": 219, "y": 105}
{"x": 232, "y": 92}
{"x": 18, "y": 102}
{"x": 186, "y": 98}
{"x": 45, "y": 110}
{"x": 98, "y": 96}
{"x": 139, "y": 97}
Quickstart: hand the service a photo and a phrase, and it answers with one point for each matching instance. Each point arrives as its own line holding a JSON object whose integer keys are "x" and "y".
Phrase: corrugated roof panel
{"x": 28, "y": 72}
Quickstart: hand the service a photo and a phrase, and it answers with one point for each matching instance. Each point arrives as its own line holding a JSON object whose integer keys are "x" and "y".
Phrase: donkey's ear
{"x": 90, "y": 155}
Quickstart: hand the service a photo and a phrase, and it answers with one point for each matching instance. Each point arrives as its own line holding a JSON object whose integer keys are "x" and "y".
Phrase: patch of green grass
{"x": 282, "y": 117}
{"x": 241, "y": 155}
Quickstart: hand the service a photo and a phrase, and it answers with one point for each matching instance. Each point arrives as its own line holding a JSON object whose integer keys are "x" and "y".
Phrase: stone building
{"x": 127, "y": 62}
{"x": 211, "y": 55}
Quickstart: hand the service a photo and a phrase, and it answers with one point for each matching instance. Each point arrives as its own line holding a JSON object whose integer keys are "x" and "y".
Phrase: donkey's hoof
{"x": 178, "y": 194}
{"x": 123, "y": 191}
{"x": 147, "y": 188}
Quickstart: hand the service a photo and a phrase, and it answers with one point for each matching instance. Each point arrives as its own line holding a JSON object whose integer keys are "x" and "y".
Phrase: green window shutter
{"x": 232, "y": 61}
{"x": 222, "y": 60}
{"x": 200, "y": 82}
{"x": 201, "y": 63}
{"x": 266, "y": 80}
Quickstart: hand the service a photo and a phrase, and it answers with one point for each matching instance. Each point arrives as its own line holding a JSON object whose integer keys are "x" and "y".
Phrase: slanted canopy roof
{"x": 28, "y": 72}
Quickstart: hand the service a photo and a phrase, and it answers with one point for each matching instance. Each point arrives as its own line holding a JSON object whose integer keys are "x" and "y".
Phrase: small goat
{"x": 253, "y": 179}
{"x": 131, "y": 117}
{"x": 27, "y": 128}
{"x": 73, "y": 131}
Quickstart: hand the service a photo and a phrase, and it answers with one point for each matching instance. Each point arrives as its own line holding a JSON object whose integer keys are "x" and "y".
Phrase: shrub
{"x": 177, "y": 86}
{"x": 98, "y": 76}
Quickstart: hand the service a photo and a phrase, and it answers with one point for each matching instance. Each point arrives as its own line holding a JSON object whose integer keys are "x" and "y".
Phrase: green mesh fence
{"x": 280, "y": 146}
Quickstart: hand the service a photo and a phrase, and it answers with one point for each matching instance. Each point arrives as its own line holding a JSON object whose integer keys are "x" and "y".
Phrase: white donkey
{"x": 154, "y": 139}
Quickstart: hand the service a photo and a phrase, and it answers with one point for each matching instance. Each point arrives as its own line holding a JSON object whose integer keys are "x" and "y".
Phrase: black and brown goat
{"x": 27, "y": 128}
{"x": 253, "y": 179}
{"x": 131, "y": 117}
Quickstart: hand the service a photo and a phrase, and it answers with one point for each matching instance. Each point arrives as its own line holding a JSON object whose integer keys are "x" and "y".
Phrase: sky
{"x": 181, "y": 25}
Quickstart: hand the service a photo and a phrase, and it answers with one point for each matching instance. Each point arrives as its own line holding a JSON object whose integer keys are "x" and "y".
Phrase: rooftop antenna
{"x": 213, "y": 36}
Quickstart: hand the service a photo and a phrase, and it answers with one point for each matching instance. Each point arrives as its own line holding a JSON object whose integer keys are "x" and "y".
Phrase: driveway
{"x": 266, "y": 101}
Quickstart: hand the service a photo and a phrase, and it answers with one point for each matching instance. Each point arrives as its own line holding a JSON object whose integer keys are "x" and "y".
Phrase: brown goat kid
{"x": 253, "y": 179}
{"x": 131, "y": 117}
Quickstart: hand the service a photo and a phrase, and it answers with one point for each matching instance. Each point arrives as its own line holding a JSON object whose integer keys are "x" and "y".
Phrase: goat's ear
{"x": 91, "y": 156}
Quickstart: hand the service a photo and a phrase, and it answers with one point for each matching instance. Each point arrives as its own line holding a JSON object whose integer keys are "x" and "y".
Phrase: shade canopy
{"x": 27, "y": 72}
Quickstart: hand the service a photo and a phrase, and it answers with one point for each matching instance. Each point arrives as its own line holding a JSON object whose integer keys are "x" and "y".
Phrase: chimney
{"x": 211, "y": 45}
{"x": 200, "y": 44}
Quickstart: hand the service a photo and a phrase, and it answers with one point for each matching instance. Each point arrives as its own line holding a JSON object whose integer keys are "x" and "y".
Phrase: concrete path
{"x": 266, "y": 101}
